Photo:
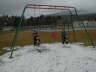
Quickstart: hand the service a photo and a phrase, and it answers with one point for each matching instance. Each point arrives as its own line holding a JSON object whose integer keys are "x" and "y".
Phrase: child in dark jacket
{"x": 64, "y": 37}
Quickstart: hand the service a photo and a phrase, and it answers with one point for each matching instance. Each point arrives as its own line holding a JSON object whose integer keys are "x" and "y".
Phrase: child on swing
{"x": 36, "y": 38}
{"x": 64, "y": 37}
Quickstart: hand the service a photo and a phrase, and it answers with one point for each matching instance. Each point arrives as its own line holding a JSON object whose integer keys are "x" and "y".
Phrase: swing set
{"x": 69, "y": 9}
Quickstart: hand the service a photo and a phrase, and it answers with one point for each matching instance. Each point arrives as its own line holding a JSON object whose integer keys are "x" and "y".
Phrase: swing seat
{"x": 54, "y": 35}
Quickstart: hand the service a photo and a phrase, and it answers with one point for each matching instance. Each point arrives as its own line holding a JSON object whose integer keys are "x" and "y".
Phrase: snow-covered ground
{"x": 52, "y": 58}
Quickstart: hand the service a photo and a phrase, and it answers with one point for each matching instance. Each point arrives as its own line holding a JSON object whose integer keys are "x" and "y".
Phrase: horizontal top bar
{"x": 48, "y": 5}
{"x": 48, "y": 8}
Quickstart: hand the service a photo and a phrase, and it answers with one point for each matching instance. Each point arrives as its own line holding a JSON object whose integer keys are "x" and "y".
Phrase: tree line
{"x": 41, "y": 20}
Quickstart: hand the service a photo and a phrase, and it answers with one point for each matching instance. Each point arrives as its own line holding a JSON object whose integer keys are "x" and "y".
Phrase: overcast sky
{"x": 14, "y": 7}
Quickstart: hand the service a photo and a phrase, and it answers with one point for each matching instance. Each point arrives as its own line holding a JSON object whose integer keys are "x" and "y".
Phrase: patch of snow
{"x": 8, "y": 49}
{"x": 52, "y": 58}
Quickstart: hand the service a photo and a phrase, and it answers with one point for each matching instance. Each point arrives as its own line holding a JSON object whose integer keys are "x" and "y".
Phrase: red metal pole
{"x": 47, "y": 8}
{"x": 48, "y": 5}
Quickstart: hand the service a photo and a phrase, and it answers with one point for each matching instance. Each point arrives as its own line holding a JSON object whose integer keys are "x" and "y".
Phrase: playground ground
{"x": 25, "y": 38}
{"x": 53, "y": 57}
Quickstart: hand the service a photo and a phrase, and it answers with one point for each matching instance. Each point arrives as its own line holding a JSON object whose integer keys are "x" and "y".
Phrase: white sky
{"x": 14, "y": 7}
